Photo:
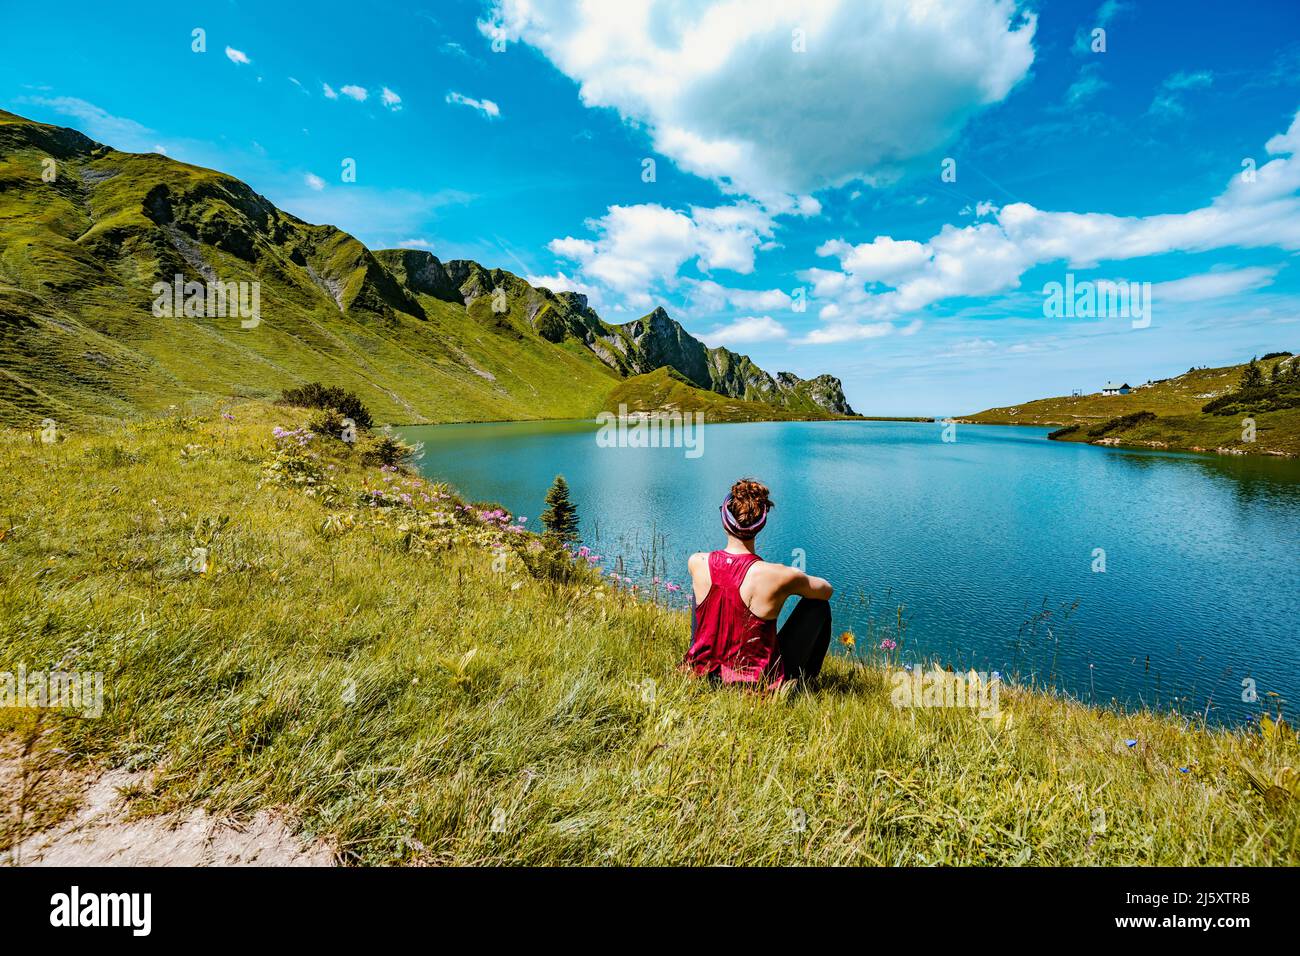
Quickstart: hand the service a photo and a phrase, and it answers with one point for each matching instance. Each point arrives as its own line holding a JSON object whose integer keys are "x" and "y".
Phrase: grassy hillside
{"x": 78, "y": 337}
{"x": 667, "y": 390}
{"x": 1179, "y": 421}
{"x": 86, "y": 231}
{"x": 364, "y": 661}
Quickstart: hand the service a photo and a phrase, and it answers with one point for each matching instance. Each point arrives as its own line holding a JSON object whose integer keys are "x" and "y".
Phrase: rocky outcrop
{"x": 658, "y": 340}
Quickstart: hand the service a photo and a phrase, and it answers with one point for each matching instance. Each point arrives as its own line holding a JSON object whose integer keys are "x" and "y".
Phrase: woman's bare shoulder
{"x": 775, "y": 571}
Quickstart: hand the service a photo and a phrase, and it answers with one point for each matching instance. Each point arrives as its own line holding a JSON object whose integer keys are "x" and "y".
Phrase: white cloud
{"x": 1103, "y": 18}
{"x": 1213, "y": 285}
{"x": 979, "y": 210}
{"x": 486, "y": 107}
{"x": 882, "y": 260}
{"x": 1168, "y": 100}
{"x": 391, "y": 100}
{"x": 970, "y": 347}
{"x": 565, "y": 283}
{"x": 750, "y": 328}
{"x": 237, "y": 56}
{"x": 712, "y": 297}
{"x": 99, "y": 124}
{"x": 378, "y": 217}
{"x": 846, "y": 332}
{"x": 329, "y": 92}
{"x": 314, "y": 181}
{"x": 1087, "y": 85}
{"x": 985, "y": 258}
{"x": 880, "y": 86}
{"x": 639, "y": 246}
{"x": 415, "y": 244}
{"x": 358, "y": 93}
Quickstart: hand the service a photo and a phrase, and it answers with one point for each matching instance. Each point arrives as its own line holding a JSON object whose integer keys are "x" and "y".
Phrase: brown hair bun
{"x": 749, "y": 501}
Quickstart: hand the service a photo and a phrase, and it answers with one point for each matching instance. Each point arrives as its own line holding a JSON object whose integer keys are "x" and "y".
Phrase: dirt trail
{"x": 98, "y": 833}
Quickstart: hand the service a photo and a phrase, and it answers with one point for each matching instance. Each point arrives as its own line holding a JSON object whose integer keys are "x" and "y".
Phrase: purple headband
{"x": 735, "y": 528}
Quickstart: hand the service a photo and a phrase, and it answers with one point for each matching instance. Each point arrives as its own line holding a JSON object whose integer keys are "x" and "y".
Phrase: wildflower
{"x": 1130, "y": 743}
{"x": 673, "y": 587}
{"x": 997, "y": 675}
{"x": 227, "y": 416}
{"x": 887, "y": 645}
{"x": 847, "y": 639}
{"x": 908, "y": 668}
{"x": 1184, "y": 769}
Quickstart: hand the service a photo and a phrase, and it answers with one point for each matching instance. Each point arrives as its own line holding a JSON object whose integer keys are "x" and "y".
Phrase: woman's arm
{"x": 806, "y": 585}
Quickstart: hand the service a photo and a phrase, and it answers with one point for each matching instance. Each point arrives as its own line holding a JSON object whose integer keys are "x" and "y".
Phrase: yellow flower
{"x": 847, "y": 639}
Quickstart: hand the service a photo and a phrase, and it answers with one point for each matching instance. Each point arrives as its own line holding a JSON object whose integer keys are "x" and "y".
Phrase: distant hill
{"x": 666, "y": 389}
{"x": 1176, "y": 413}
{"x": 86, "y": 232}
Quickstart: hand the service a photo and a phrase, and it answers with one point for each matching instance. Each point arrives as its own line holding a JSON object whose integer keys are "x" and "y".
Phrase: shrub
{"x": 1122, "y": 423}
{"x": 553, "y": 562}
{"x": 1062, "y": 432}
{"x": 316, "y": 395}
{"x": 332, "y": 422}
{"x": 386, "y": 449}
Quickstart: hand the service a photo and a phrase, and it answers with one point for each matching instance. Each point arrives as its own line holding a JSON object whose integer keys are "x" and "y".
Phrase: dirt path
{"x": 98, "y": 833}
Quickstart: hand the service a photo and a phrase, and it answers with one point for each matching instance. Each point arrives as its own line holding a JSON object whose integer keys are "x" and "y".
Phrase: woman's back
{"x": 728, "y": 638}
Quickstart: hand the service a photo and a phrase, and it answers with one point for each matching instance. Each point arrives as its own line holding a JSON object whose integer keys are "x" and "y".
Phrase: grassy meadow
{"x": 407, "y": 676}
{"x": 1179, "y": 424}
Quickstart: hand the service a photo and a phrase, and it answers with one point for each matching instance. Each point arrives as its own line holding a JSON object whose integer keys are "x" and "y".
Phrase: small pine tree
{"x": 1276, "y": 375}
{"x": 560, "y": 517}
{"x": 1253, "y": 376}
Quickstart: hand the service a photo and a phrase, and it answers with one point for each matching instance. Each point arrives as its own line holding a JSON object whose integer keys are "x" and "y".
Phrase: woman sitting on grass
{"x": 738, "y": 597}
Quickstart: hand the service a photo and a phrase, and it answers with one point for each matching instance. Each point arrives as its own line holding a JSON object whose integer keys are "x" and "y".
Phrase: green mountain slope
{"x": 655, "y": 340}
{"x": 668, "y": 390}
{"x": 86, "y": 232}
{"x": 1180, "y": 421}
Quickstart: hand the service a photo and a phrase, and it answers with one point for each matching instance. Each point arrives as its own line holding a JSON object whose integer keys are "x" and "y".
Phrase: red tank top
{"x": 730, "y": 639}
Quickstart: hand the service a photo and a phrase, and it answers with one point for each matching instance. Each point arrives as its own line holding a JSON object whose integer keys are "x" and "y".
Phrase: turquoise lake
{"x": 975, "y": 539}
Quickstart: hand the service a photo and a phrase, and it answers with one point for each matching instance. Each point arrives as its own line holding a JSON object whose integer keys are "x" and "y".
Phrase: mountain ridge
{"x": 88, "y": 232}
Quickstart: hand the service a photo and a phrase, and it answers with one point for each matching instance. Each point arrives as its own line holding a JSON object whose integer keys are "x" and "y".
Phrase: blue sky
{"x": 798, "y": 154}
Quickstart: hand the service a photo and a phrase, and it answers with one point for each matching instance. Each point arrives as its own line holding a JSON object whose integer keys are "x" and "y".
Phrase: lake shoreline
{"x": 408, "y": 699}
{"x": 1152, "y": 445}
{"x": 875, "y": 487}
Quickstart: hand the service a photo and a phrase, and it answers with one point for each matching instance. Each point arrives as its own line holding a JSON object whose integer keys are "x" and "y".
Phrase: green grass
{"x": 79, "y": 342}
{"x": 1179, "y": 424}
{"x": 553, "y": 709}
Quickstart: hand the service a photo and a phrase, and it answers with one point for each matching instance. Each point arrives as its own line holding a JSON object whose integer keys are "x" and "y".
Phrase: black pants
{"x": 804, "y": 639}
